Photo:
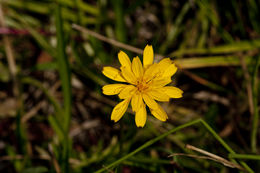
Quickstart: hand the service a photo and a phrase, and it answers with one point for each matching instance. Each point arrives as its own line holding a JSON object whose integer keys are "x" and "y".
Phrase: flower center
{"x": 142, "y": 85}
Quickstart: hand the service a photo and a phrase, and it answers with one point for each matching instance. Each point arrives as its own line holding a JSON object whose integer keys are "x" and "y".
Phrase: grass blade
{"x": 200, "y": 62}
{"x": 147, "y": 144}
{"x": 228, "y": 48}
{"x": 120, "y": 24}
{"x": 56, "y": 127}
{"x": 255, "y": 103}
{"x": 64, "y": 72}
{"x": 244, "y": 156}
{"x": 152, "y": 141}
{"x": 63, "y": 68}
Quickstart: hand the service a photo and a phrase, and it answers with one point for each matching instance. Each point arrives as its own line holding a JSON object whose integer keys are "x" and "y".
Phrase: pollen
{"x": 142, "y": 86}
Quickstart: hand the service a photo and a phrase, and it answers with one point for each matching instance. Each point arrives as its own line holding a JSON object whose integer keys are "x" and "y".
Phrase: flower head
{"x": 143, "y": 84}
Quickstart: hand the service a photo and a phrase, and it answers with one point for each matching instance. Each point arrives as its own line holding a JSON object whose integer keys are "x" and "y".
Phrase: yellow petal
{"x": 160, "y": 82}
{"x": 119, "y": 110}
{"x": 170, "y": 70}
{"x": 148, "y": 56}
{"x": 151, "y": 72}
{"x": 173, "y": 92}
{"x": 137, "y": 67}
{"x": 141, "y": 116}
{"x": 124, "y": 60}
{"x": 136, "y": 101}
{"x": 113, "y": 89}
{"x": 127, "y": 92}
{"x": 159, "y": 95}
{"x": 164, "y": 63}
{"x": 128, "y": 75}
{"x": 150, "y": 102}
{"x": 113, "y": 73}
{"x": 159, "y": 113}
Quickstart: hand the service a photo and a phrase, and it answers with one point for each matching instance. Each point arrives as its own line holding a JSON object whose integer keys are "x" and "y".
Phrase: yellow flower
{"x": 143, "y": 84}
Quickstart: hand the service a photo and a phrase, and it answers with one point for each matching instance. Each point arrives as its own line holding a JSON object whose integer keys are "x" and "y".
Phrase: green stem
{"x": 152, "y": 141}
{"x": 147, "y": 144}
{"x": 217, "y": 137}
{"x": 244, "y": 156}
{"x": 255, "y": 101}
{"x": 225, "y": 145}
{"x": 64, "y": 73}
{"x": 120, "y": 24}
{"x": 64, "y": 69}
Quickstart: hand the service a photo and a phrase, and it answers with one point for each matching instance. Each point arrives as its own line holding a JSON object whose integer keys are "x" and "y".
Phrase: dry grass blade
{"x": 213, "y": 157}
{"x": 9, "y": 54}
{"x": 230, "y": 164}
{"x": 54, "y": 160}
{"x": 111, "y": 41}
{"x": 248, "y": 86}
{"x": 84, "y": 126}
{"x": 139, "y": 51}
{"x": 8, "y": 46}
{"x": 32, "y": 112}
{"x": 36, "y": 108}
{"x": 40, "y": 157}
{"x": 201, "y": 80}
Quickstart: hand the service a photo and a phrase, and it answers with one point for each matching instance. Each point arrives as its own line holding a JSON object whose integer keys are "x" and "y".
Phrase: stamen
{"x": 142, "y": 85}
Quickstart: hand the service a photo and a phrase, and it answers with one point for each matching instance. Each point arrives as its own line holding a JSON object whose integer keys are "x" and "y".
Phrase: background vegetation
{"x": 54, "y": 118}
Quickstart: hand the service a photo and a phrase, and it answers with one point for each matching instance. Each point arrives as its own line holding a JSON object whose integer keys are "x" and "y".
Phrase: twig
{"x": 84, "y": 126}
{"x": 32, "y": 112}
{"x": 138, "y": 51}
{"x": 111, "y": 41}
{"x": 36, "y": 108}
{"x": 201, "y": 80}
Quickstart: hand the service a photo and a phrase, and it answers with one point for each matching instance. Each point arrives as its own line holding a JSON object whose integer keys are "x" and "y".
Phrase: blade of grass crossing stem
{"x": 154, "y": 140}
{"x": 255, "y": 101}
{"x": 224, "y": 144}
{"x": 64, "y": 72}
